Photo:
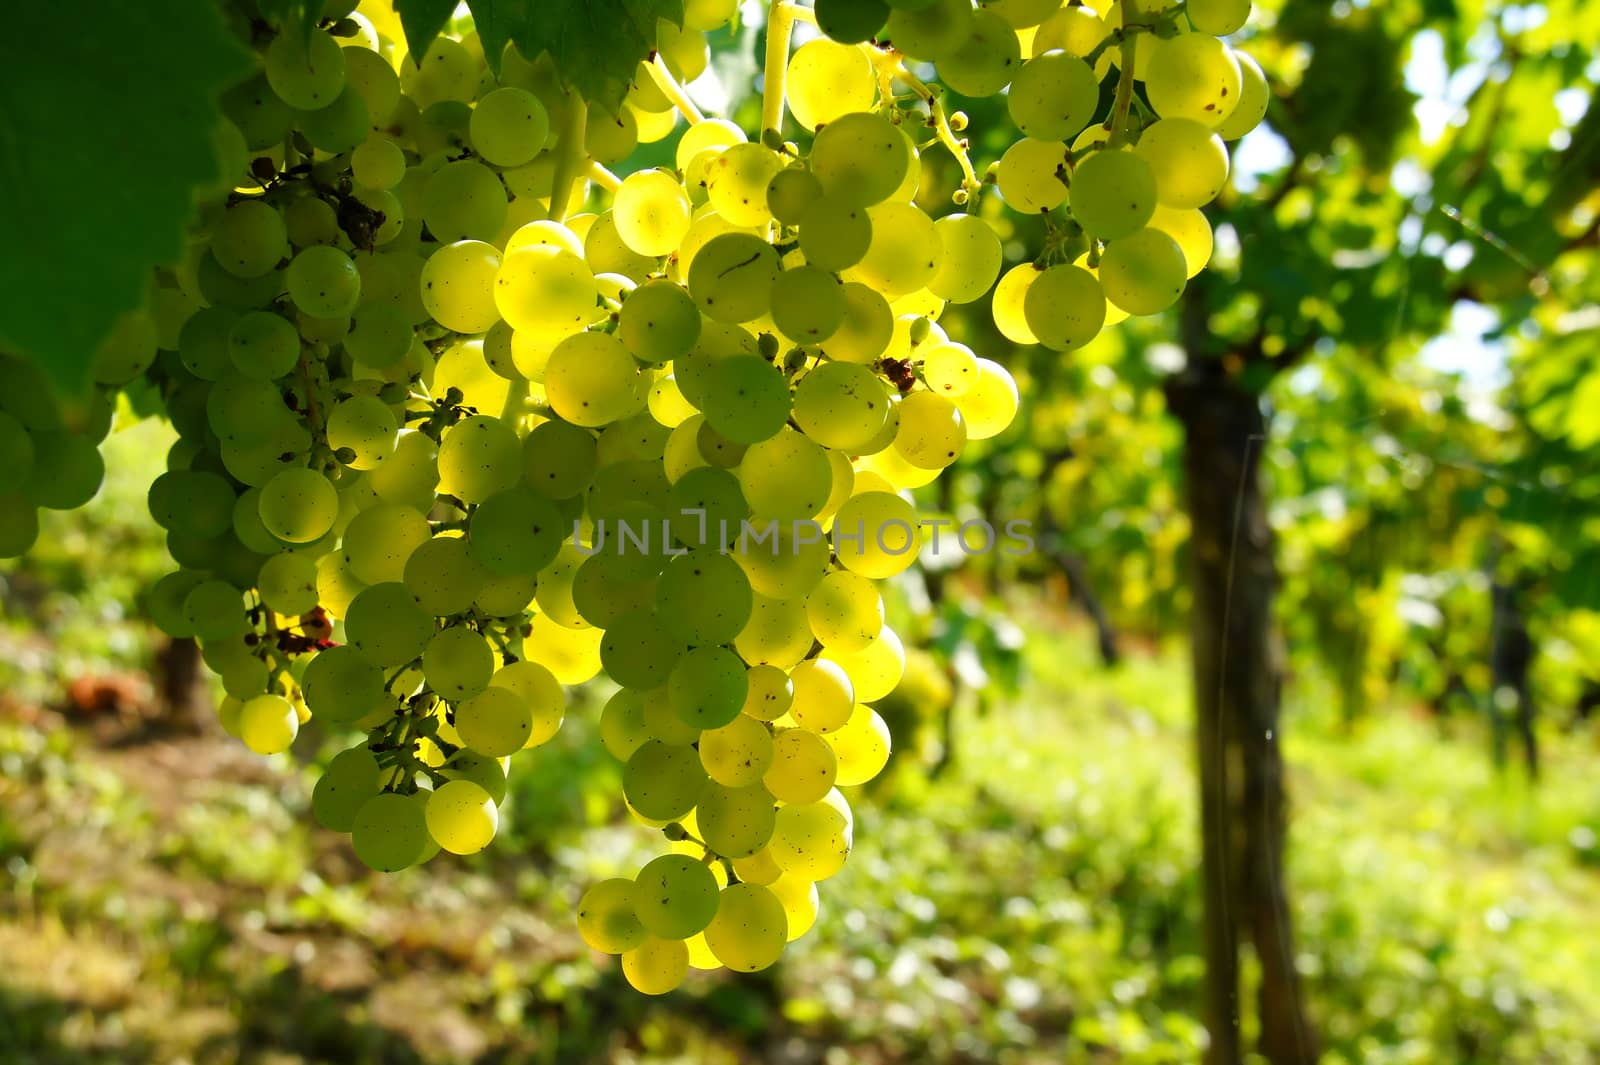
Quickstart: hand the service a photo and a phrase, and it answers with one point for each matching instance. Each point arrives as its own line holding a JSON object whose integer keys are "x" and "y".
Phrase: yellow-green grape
{"x": 876, "y": 535}
{"x": 458, "y": 663}
{"x": 852, "y": 21}
{"x": 708, "y": 14}
{"x": 862, "y": 747}
{"x": 559, "y": 459}
{"x": 367, "y": 426}
{"x": 929, "y": 30}
{"x": 288, "y": 583}
{"x": 932, "y": 432}
{"x": 1053, "y": 96}
{"x": 371, "y": 75}
{"x": 864, "y": 332}
{"x": 298, "y": 505}
{"x": 986, "y": 61}
{"x": 542, "y": 694}
{"x": 458, "y": 285}
{"x": 792, "y": 192}
{"x": 990, "y": 405}
{"x": 770, "y": 693}
{"x": 949, "y": 369}
{"x": 876, "y": 669}
{"x": 1030, "y": 175}
{"x": 812, "y": 840}
{"x": 442, "y": 576}
{"x": 591, "y": 380}
{"x": 846, "y": 614}
{"x": 249, "y": 239}
{"x": 750, "y": 929}
{"x": 737, "y": 754}
{"x": 464, "y": 200}
{"x": 663, "y": 782}
{"x": 675, "y": 896}
{"x": 713, "y": 136}
{"x": 1143, "y": 273}
{"x": 1192, "y": 76}
{"x": 970, "y": 258}
{"x": 1218, "y": 17}
{"x": 495, "y": 722}
{"x": 758, "y": 868}
{"x": 515, "y": 532}
{"x": 905, "y": 251}
{"x": 1065, "y": 308}
{"x": 803, "y": 766}
{"x": 571, "y": 655}
{"x": 777, "y": 634}
{"x": 386, "y": 624}
{"x": 823, "y": 696}
{"x": 861, "y": 159}
{"x": 336, "y": 587}
{"x": 746, "y": 398}
{"x": 379, "y": 337}
{"x": 263, "y": 345}
{"x": 666, "y": 403}
{"x": 481, "y": 456}
{"x": 340, "y": 126}
{"x": 835, "y": 232}
{"x": 737, "y": 180}
{"x": 509, "y": 127}
{"x": 307, "y": 72}
{"x": 1114, "y": 314}
{"x": 203, "y": 343}
{"x": 488, "y": 773}
{"x": 657, "y": 965}
{"x": 608, "y": 918}
{"x": 840, "y": 405}
{"x": 651, "y": 212}
{"x": 1254, "y": 95}
{"x": 352, "y": 777}
{"x": 1076, "y": 31}
{"x": 1188, "y": 159}
{"x": 658, "y": 322}
{"x": 390, "y": 832}
{"x": 807, "y": 304}
{"x": 736, "y": 822}
{"x": 214, "y": 610}
{"x": 268, "y": 724}
{"x": 786, "y": 477}
{"x": 342, "y": 685}
{"x": 706, "y": 595}
{"x": 447, "y": 71}
{"x": 624, "y": 727}
{"x": 800, "y": 901}
{"x": 545, "y": 291}
{"x": 542, "y": 232}
{"x": 731, "y": 278}
{"x": 1021, "y": 14}
{"x": 639, "y": 650}
{"x": 378, "y": 163}
{"x": 324, "y": 283}
{"x": 828, "y": 80}
{"x": 1113, "y": 193}
{"x": 1008, "y": 305}
{"x": 781, "y": 561}
{"x": 462, "y": 817}
{"x": 709, "y": 506}
{"x": 1191, "y": 230}
{"x": 662, "y": 723}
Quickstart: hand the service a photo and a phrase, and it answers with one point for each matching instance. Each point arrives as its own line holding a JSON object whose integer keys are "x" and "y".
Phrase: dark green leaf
{"x": 422, "y": 21}
{"x": 108, "y": 117}
{"x": 497, "y": 22}
{"x": 300, "y": 16}
{"x": 595, "y": 44}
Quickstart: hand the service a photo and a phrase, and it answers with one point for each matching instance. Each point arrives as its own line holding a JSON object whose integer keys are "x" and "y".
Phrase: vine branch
{"x": 570, "y": 158}
{"x": 673, "y": 91}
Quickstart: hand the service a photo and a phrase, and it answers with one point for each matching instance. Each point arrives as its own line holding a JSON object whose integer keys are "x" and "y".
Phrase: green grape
{"x": 394, "y": 280}
{"x": 459, "y": 288}
{"x": 738, "y": 753}
{"x": 866, "y": 328}
{"x": 215, "y": 610}
{"x": 990, "y": 405}
{"x": 463, "y": 200}
{"x": 1254, "y": 95}
{"x": 607, "y": 586}
{"x": 391, "y": 831}
{"x": 715, "y": 506}
{"x": 481, "y": 456}
{"x": 447, "y": 71}
{"x": 823, "y": 695}
{"x": 462, "y": 817}
{"x": 1065, "y": 308}
{"x": 782, "y": 561}
{"x": 607, "y": 253}
{"x": 639, "y": 649}
{"x": 1192, "y": 232}
{"x": 624, "y": 726}
{"x": 324, "y": 283}
{"x": 929, "y": 31}
{"x": 659, "y": 322}
{"x": 707, "y": 687}
{"x": 546, "y": 292}
{"x": 288, "y": 583}
{"x": 495, "y": 722}
{"x": 750, "y": 929}
{"x": 196, "y": 500}
{"x": 852, "y": 21}
{"x": 840, "y": 405}
{"x": 986, "y": 61}
{"x": 1113, "y": 193}
{"x": 367, "y": 426}
{"x": 807, "y": 304}
{"x": 835, "y": 233}
{"x": 591, "y": 380}
{"x": 379, "y": 337}
{"x": 845, "y": 612}
{"x": 1030, "y": 175}
{"x": 249, "y": 239}
{"x": 559, "y": 459}
{"x": 1189, "y": 161}
{"x": 1053, "y": 96}
{"x": 1218, "y": 17}
{"x": 663, "y": 782}
{"x": 380, "y": 539}
{"x": 336, "y": 587}
{"x": 263, "y": 346}
{"x": 675, "y": 896}
{"x": 258, "y": 113}
{"x": 735, "y": 822}
{"x": 746, "y": 399}
{"x": 860, "y": 159}
{"x": 410, "y": 474}
{"x": 166, "y": 596}
{"x": 862, "y": 747}
{"x": 203, "y": 343}
{"x": 1077, "y": 31}
{"x": 828, "y": 80}
{"x": 386, "y": 624}
{"x": 378, "y": 163}
{"x": 792, "y": 192}
{"x": 515, "y": 532}
{"x": 777, "y": 635}
{"x": 509, "y": 127}
{"x": 803, "y": 767}
{"x": 666, "y": 403}
{"x": 305, "y": 72}
{"x": 482, "y": 770}
{"x": 268, "y": 724}
{"x": 538, "y": 688}
{"x": 710, "y": 135}
{"x": 352, "y": 778}
{"x": 786, "y": 477}
{"x": 706, "y": 595}
{"x": 503, "y": 597}
{"x": 342, "y": 685}
{"x": 1020, "y": 14}
{"x": 708, "y": 14}
{"x": 608, "y": 917}
{"x": 298, "y": 505}
{"x": 651, "y": 212}
{"x": 800, "y": 900}
{"x": 309, "y": 221}
{"x": 338, "y": 127}
{"x": 1192, "y": 76}
{"x": 371, "y": 75}
{"x": 731, "y": 278}
{"x": 812, "y": 841}
{"x": 443, "y": 576}
{"x": 969, "y": 261}
{"x": 543, "y": 232}
{"x": 949, "y": 369}
{"x": 737, "y": 180}
{"x": 876, "y": 534}
{"x": 657, "y": 965}
{"x": 1143, "y": 273}
{"x": 770, "y": 695}
{"x": 458, "y": 663}
{"x": 876, "y": 669}
{"x": 932, "y": 432}
{"x": 610, "y": 138}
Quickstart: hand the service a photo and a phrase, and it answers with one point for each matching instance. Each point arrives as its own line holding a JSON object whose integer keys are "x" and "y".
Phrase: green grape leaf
{"x": 497, "y": 22}
{"x": 595, "y": 44}
{"x": 422, "y": 20}
{"x": 109, "y": 112}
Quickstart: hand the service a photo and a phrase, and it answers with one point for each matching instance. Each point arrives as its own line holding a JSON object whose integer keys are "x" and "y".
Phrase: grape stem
{"x": 603, "y": 177}
{"x": 1118, "y": 123}
{"x": 516, "y": 396}
{"x": 780, "y": 24}
{"x": 937, "y": 118}
{"x": 673, "y": 91}
{"x": 570, "y": 157}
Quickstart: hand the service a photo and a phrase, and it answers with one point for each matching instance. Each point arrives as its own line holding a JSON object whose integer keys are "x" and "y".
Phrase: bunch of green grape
{"x": 466, "y": 419}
